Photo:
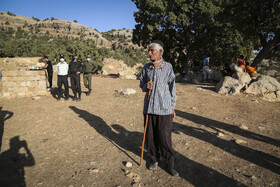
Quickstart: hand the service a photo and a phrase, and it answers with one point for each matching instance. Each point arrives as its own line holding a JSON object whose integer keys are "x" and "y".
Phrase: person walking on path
{"x": 207, "y": 72}
{"x": 75, "y": 69}
{"x": 158, "y": 76}
{"x": 62, "y": 74}
{"x": 90, "y": 68}
{"x": 49, "y": 67}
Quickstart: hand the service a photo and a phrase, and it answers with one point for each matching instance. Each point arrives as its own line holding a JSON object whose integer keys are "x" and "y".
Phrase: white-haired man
{"x": 158, "y": 76}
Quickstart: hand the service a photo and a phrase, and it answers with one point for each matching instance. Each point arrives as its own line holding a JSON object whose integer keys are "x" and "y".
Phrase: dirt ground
{"x": 219, "y": 140}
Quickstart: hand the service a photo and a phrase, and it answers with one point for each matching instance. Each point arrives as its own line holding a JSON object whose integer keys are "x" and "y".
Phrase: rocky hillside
{"x": 121, "y": 39}
{"x": 52, "y": 27}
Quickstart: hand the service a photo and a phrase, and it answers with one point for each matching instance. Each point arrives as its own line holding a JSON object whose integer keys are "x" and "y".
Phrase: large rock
{"x": 242, "y": 77}
{"x": 128, "y": 91}
{"x": 198, "y": 78}
{"x": 216, "y": 75}
{"x": 128, "y": 76}
{"x": 118, "y": 67}
{"x": 229, "y": 85}
{"x": 264, "y": 85}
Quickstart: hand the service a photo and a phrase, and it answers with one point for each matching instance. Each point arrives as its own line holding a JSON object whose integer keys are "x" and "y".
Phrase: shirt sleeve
{"x": 172, "y": 89}
{"x": 94, "y": 68}
{"x": 69, "y": 67}
{"x": 82, "y": 67}
{"x": 143, "y": 80}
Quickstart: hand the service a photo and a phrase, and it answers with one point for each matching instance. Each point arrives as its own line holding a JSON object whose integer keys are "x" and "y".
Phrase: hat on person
{"x": 61, "y": 56}
{"x": 74, "y": 54}
{"x": 45, "y": 57}
{"x": 158, "y": 42}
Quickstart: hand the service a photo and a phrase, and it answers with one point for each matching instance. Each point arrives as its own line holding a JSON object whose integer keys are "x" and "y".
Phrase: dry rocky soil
{"x": 219, "y": 140}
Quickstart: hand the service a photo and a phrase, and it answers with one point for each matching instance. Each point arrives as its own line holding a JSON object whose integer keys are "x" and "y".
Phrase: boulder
{"x": 198, "y": 78}
{"x": 186, "y": 78}
{"x": 262, "y": 85}
{"x": 129, "y": 91}
{"x": 216, "y": 75}
{"x": 229, "y": 85}
{"x": 242, "y": 77}
{"x": 128, "y": 76}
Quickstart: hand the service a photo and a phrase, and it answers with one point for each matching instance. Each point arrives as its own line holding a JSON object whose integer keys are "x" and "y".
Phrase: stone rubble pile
{"x": 262, "y": 85}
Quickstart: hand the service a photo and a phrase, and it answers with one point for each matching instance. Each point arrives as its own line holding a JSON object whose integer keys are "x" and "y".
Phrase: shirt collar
{"x": 153, "y": 67}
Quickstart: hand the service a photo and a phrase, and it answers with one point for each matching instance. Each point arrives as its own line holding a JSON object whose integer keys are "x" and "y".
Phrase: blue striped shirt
{"x": 163, "y": 94}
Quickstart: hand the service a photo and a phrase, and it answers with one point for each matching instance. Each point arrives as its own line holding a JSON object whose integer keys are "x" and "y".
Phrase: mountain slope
{"x": 52, "y": 27}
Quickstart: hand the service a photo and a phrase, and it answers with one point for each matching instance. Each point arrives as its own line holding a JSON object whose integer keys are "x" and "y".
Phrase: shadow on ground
{"x": 13, "y": 161}
{"x": 254, "y": 156}
{"x": 193, "y": 172}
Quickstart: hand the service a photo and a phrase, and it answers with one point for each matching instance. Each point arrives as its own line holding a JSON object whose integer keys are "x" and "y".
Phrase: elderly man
{"x": 158, "y": 76}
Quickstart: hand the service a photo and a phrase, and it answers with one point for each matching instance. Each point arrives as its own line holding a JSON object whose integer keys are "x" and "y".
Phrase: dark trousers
{"x": 50, "y": 76}
{"x": 158, "y": 139}
{"x": 62, "y": 79}
{"x": 76, "y": 84}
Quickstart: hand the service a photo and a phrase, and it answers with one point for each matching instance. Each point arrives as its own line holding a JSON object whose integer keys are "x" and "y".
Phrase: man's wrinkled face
{"x": 154, "y": 54}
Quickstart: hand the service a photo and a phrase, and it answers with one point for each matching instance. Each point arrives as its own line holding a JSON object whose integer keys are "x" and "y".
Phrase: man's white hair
{"x": 157, "y": 47}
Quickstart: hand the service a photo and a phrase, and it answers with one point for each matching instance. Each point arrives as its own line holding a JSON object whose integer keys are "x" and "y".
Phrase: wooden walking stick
{"x": 145, "y": 129}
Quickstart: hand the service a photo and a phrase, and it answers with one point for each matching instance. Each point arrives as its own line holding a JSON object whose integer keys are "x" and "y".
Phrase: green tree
{"x": 191, "y": 29}
{"x": 260, "y": 21}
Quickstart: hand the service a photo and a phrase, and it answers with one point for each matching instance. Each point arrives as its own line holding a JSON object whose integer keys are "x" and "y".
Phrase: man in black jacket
{"x": 75, "y": 69}
{"x": 48, "y": 66}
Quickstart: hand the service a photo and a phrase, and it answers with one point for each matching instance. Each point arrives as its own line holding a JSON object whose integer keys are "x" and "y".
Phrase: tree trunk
{"x": 186, "y": 66}
{"x": 265, "y": 50}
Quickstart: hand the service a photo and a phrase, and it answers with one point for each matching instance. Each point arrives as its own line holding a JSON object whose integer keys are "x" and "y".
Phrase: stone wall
{"x": 23, "y": 84}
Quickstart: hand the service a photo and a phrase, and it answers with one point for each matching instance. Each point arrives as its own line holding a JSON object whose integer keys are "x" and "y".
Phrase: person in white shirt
{"x": 62, "y": 74}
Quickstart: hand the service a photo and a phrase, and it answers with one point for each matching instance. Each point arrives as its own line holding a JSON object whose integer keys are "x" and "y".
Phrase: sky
{"x": 103, "y": 15}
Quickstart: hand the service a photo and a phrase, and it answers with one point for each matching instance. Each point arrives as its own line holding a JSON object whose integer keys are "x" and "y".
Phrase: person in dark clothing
{"x": 75, "y": 69}
{"x": 49, "y": 67}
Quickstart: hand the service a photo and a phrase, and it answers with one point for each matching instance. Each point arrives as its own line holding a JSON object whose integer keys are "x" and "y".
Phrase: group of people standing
{"x": 157, "y": 80}
{"x": 71, "y": 72}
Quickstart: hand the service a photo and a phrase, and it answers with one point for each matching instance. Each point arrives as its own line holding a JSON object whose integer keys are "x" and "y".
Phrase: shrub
{"x": 10, "y": 14}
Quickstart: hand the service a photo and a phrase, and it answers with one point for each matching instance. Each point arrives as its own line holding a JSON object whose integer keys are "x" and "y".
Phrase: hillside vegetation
{"x": 29, "y": 37}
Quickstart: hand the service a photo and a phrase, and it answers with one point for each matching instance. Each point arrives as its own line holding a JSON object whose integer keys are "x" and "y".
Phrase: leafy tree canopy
{"x": 192, "y": 29}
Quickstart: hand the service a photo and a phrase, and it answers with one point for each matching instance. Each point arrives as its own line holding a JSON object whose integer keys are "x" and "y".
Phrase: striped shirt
{"x": 163, "y": 95}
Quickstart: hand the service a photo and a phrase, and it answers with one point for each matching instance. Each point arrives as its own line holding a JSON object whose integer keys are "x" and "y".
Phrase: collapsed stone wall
{"x": 23, "y": 84}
